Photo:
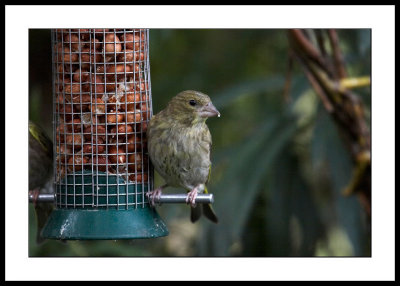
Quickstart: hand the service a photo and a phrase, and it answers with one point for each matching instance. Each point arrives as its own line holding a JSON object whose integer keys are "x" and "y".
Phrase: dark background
{"x": 279, "y": 163}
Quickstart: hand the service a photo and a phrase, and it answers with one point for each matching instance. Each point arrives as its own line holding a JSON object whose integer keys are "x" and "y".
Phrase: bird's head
{"x": 192, "y": 106}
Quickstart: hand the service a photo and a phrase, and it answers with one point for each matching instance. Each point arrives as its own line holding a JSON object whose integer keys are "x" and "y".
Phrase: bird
{"x": 179, "y": 146}
{"x": 40, "y": 173}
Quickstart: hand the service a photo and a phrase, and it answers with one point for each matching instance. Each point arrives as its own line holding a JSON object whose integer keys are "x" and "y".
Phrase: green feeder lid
{"x": 104, "y": 206}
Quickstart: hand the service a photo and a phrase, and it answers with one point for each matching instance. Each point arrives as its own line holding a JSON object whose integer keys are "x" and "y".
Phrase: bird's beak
{"x": 209, "y": 111}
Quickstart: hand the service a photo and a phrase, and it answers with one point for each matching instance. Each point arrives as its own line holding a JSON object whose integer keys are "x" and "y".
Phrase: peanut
{"x": 113, "y": 44}
{"x": 113, "y": 118}
{"x": 99, "y": 131}
{"x": 74, "y": 139}
{"x": 134, "y": 143}
{"x": 140, "y": 177}
{"x": 99, "y": 163}
{"x": 135, "y": 162}
{"x": 76, "y": 161}
{"x": 117, "y": 155}
{"x": 72, "y": 41}
{"x": 94, "y": 147}
{"x": 133, "y": 117}
{"x": 80, "y": 75}
{"x": 98, "y": 106}
{"x": 122, "y": 129}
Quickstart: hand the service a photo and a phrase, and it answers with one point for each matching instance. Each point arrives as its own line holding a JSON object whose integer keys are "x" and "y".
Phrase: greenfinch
{"x": 179, "y": 145}
{"x": 40, "y": 173}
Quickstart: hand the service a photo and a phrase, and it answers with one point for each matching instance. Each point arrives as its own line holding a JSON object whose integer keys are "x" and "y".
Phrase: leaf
{"x": 243, "y": 179}
{"x": 292, "y": 222}
{"x": 327, "y": 146}
{"x": 225, "y": 97}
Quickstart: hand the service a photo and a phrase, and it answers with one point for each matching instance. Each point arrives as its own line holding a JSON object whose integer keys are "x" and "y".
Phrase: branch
{"x": 337, "y": 54}
{"x": 306, "y": 46}
{"x": 344, "y": 106}
{"x": 355, "y": 82}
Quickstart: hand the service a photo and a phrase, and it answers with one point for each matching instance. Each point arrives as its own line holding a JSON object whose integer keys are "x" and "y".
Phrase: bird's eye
{"x": 192, "y": 102}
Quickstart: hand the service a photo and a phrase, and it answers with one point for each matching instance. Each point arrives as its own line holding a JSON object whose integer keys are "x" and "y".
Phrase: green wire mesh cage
{"x": 102, "y": 104}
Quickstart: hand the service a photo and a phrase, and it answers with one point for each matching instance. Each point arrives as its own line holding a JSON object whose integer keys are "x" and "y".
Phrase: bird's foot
{"x": 35, "y": 194}
{"x": 153, "y": 195}
{"x": 191, "y": 197}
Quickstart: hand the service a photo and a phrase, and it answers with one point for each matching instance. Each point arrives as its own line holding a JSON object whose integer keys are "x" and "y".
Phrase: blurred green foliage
{"x": 279, "y": 167}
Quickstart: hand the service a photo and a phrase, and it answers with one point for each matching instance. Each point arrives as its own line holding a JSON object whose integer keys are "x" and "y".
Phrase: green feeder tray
{"x": 102, "y": 206}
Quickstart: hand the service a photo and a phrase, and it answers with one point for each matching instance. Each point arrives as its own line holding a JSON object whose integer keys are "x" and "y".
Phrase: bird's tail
{"x": 205, "y": 209}
{"x": 42, "y": 211}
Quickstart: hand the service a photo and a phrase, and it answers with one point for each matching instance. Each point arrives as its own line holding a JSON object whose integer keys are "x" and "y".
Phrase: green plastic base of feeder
{"x": 83, "y": 224}
{"x": 102, "y": 206}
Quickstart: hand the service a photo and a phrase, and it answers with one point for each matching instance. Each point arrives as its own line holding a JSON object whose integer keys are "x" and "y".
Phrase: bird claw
{"x": 191, "y": 197}
{"x": 153, "y": 195}
{"x": 35, "y": 195}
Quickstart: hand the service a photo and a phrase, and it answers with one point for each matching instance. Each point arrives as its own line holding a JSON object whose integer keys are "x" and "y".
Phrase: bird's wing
{"x": 207, "y": 138}
{"x": 41, "y": 137}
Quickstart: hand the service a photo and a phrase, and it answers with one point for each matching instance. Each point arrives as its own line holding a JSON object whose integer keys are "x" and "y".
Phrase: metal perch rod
{"x": 181, "y": 198}
{"x": 164, "y": 198}
{"x": 42, "y": 198}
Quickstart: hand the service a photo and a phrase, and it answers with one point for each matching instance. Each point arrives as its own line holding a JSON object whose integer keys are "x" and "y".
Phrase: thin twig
{"x": 321, "y": 45}
{"x": 316, "y": 84}
{"x": 337, "y": 54}
{"x": 355, "y": 82}
{"x": 307, "y": 46}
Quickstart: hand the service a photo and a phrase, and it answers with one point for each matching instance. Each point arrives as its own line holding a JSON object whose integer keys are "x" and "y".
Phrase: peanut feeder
{"x": 102, "y": 103}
